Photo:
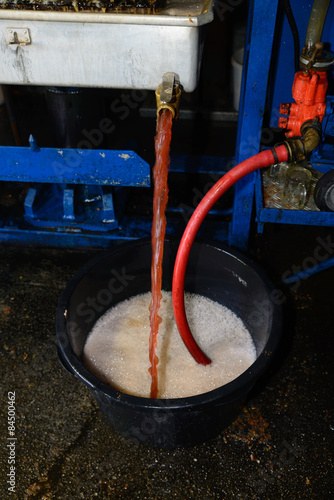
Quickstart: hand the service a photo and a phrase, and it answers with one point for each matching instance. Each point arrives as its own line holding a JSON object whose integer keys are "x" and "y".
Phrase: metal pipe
{"x": 311, "y": 139}
{"x": 316, "y": 22}
{"x": 300, "y": 148}
{"x": 168, "y": 94}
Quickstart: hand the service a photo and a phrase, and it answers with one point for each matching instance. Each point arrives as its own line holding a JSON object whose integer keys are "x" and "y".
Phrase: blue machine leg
{"x": 258, "y": 50}
{"x": 68, "y": 204}
{"x": 29, "y": 202}
{"x": 108, "y": 212}
{"x": 71, "y": 190}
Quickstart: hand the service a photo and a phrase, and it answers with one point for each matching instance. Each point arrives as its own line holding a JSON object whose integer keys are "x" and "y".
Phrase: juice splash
{"x": 160, "y": 198}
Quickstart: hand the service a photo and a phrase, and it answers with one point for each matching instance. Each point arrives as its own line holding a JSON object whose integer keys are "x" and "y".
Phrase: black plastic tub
{"x": 214, "y": 271}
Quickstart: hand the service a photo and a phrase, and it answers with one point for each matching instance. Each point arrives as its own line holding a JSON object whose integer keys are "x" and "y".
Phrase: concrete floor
{"x": 281, "y": 445}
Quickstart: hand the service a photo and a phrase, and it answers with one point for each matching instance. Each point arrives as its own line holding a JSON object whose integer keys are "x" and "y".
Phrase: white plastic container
{"x": 237, "y": 67}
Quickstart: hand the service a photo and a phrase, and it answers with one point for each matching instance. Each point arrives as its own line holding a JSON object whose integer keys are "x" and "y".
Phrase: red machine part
{"x": 309, "y": 91}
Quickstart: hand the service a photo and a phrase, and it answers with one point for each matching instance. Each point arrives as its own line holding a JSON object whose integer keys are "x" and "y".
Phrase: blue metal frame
{"x": 73, "y": 166}
{"x": 69, "y": 189}
{"x": 259, "y": 74}
{"x": 258, "y": 50}
{"x": 306, "y": 273}
{"x": 57, "y": 224}
{"x": 322, "y": 160}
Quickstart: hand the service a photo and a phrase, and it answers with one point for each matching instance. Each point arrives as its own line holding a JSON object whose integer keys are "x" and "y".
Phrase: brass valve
{"x": 168, "y": 94}
{"x": 300, "y": 148}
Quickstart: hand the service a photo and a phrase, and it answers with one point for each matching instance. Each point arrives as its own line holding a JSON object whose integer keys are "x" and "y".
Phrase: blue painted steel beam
{"x": 311, "y": 271}
{"x": 73, "y": 166}
{"x": 284, "y": 216}
{"x": 83, "y": 207}
{"x": 258, "y": 50}
{"x": 301, "y": 217}
{"x": 130, "y": 228}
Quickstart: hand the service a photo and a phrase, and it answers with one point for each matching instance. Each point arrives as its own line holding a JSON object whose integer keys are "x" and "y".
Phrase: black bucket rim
{"x": 228, "y": 392}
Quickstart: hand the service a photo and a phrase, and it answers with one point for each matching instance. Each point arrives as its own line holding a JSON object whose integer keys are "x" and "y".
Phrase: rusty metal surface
{"x": 132, "y": 6}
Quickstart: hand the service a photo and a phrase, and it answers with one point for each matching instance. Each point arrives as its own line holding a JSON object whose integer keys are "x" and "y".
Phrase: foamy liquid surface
{"x": 117, "y": 349}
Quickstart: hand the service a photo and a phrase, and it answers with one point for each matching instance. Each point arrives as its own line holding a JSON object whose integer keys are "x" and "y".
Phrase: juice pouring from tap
{"x": 160, "y": 199}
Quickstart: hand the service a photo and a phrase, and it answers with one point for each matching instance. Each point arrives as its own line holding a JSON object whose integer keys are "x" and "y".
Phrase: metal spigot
{"x": 168, "y": 94}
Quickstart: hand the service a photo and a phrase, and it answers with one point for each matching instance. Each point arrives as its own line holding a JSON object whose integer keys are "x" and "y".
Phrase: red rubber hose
{"x": 260, "y": 160}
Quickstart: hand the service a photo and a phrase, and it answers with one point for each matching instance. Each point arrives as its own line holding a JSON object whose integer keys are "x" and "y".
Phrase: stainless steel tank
{"x": 96, "y": 49}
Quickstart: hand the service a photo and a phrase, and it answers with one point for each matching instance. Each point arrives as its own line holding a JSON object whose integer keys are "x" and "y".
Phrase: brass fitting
{"x": 168, "y": 94}
{"x": 299, "y": 148}
{"x": 311, "y": 131}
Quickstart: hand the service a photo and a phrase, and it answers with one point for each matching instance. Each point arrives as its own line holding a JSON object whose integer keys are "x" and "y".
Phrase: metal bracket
{"x": 17, "y": 36}
{"x": 169, "y": 87}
